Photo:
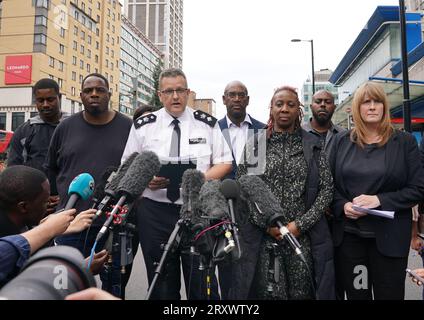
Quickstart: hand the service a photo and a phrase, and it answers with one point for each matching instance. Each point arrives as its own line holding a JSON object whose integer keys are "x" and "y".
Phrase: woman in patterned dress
{"x": 297, "y": 173}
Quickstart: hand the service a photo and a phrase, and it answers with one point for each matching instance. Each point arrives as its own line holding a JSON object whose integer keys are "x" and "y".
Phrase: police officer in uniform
{"x": 174, "y": 132}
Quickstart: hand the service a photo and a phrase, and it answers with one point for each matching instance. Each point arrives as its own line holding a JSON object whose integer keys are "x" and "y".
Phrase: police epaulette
{"x": 205, "y": 117}
{"x": 141, "y": 121}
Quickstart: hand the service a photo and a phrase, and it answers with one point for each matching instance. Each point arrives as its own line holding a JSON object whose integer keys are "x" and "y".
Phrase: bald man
{"x": 237, "y": 126}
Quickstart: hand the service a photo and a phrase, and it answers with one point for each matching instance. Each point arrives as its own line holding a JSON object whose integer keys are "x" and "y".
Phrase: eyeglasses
{"x": 170, "y": 92}
{"x": 232, "y": 95}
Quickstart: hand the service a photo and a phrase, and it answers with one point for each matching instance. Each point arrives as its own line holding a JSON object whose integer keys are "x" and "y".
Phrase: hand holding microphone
{"x": 269, "y": 211}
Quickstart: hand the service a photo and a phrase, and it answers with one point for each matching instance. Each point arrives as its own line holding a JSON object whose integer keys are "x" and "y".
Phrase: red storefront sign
{"x": 18, "y": 69}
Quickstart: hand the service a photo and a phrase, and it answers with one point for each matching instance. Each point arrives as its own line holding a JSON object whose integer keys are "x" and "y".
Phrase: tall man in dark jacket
{"x": 237, "y": 126}
{"x": 31, "y": 140}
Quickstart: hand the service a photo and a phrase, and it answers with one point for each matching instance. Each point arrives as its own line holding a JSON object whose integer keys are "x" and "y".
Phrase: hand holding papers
{"x": 380, "y": 213}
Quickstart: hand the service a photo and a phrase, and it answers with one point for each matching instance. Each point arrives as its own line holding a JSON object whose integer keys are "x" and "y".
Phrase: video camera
{"x": 51, "y": 274}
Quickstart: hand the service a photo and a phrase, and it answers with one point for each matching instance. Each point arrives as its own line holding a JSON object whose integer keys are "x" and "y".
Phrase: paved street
{"x": 137, "y": 287}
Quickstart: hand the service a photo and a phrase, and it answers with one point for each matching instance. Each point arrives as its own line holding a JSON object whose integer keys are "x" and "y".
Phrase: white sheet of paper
{"x": 380, "y": 213}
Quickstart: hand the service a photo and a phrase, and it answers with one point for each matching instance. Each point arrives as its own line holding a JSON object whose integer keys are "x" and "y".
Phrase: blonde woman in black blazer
{"x": 374, "y": 166}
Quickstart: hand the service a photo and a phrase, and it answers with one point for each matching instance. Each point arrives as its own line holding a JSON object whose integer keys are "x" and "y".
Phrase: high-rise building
{"x": 60, "y": 39}
{"x": 321, "y": 83}
{"x": 139, "y": 58}
{"x": 162, "y": 22}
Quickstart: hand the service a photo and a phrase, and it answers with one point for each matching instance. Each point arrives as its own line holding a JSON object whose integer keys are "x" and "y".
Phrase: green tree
{"x": 154, "y": 99}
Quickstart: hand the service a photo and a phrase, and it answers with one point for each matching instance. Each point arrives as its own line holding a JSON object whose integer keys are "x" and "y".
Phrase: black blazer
{"x": 401, "y": 188}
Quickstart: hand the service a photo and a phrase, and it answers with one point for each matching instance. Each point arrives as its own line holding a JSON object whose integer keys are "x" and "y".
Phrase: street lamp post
{"x": 312, "y": 56}
{"x": 406, "y": 98}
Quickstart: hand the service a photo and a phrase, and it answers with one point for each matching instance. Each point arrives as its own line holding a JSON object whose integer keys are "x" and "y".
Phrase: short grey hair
{"x": 172, "y": 73}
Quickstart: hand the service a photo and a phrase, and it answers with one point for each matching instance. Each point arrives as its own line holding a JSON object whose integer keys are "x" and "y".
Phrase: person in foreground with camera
{"x": 24, "y": 193}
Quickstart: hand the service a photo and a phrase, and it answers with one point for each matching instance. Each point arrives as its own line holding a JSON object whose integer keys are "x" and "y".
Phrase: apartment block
{"x": 60, "y": 39}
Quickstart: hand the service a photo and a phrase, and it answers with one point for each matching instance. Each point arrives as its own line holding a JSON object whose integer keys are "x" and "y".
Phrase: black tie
{"x": 173, "y": 190}
{"x": 175, "y": 141}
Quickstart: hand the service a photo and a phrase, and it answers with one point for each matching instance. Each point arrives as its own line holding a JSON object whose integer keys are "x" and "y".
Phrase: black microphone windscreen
{"x": 122, "y": 170}
{"x": 230, "y": 189}
{"x": 142, "y": 170}
{"x": 263, "y": 202}
{"x": 191, "y": 183}
{"x": 212, "y": 201}
{"x": 99, "y": 190}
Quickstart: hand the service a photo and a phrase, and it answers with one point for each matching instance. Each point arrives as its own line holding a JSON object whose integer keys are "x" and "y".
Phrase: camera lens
{"x": 51, "y": 274}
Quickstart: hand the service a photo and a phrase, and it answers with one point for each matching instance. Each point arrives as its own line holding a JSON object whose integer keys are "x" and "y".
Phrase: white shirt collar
{"x": 246, "y": 120}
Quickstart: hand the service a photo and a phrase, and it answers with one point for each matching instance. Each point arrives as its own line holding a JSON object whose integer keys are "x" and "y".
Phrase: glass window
{"x": 61, "y": 48}
{"x": 2, "y": 120}
{"x": 40, "y": 21}
{"x": 40, "y": 38}
{"x": 17, "y": 119}
{"x": 42, "y": 4}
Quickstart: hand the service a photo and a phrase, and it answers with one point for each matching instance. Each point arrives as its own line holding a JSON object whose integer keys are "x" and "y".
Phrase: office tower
{"x": 162, "y": 22}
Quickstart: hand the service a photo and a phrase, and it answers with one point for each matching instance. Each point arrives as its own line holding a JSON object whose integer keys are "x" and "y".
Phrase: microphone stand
{"x": 120, "y": 246}
{"x": 173, "y": 242}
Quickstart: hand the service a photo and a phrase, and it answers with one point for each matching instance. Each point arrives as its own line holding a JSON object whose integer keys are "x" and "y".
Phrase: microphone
{"x": 270, "y": 212}
{"x": 99, "y": 190}
{"x": 81, "y": 187}
{"x": 290, "y": 238}
{"x": 111, "y": 188}
{"x": 214, "y": 205}
{"x": 230, "y": 190}
{"x": 191, "y": 184}
{"x": 141, "y": 171}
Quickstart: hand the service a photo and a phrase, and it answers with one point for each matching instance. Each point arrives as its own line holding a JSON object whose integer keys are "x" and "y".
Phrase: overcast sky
{"x": 249, "y": 40}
